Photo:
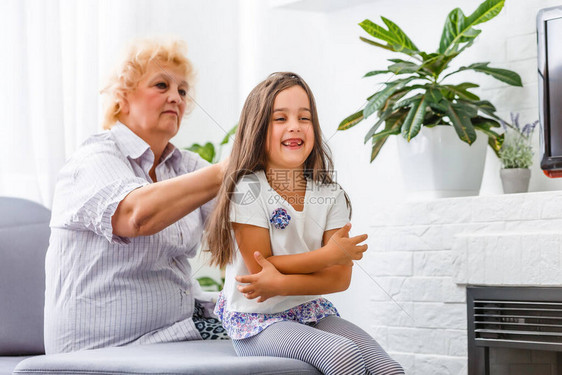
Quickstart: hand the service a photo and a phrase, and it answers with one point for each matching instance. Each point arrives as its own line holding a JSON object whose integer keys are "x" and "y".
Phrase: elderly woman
{"x": 128, "y": 213}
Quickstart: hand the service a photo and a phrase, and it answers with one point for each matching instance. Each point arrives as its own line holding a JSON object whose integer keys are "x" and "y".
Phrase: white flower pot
{"x": 515, "y": 180}
{"x": 437, "y": 164}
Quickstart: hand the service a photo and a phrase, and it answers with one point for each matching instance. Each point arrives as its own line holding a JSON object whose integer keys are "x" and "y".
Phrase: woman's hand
{"x": 343, "y": 250}
{"x": 262, "y": 285}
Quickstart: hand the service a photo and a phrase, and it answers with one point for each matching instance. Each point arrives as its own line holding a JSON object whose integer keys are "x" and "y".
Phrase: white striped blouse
{"x": 105, "y": 290}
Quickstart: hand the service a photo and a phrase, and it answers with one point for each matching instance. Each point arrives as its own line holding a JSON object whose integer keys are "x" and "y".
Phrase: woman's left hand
{"x": 262, "y": 285}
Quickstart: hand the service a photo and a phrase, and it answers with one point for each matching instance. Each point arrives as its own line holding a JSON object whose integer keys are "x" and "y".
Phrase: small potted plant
{"x": 516, "y": 155}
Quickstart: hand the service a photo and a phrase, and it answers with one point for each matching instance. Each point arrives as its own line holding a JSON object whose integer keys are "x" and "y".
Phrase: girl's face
{"x": 290, "y": 134}
{"x": 158, "y": 103}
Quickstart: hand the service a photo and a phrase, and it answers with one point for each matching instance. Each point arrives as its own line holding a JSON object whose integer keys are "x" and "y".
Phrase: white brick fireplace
{"x": 425, "y": 253}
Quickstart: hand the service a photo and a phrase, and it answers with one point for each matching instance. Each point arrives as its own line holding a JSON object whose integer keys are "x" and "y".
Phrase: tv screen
{"x": 549, "y": 58}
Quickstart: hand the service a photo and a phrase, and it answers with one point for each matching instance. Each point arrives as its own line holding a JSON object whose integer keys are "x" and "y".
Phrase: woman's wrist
{"x": 219, "y": 175}
{"x": 221, "y": 170}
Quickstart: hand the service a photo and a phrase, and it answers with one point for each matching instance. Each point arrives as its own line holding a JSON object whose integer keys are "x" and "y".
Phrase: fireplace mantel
{"x": 508, "y": 259}
{"x": 424, "y": 254}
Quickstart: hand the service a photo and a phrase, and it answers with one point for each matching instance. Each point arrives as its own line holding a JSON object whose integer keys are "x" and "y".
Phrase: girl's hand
{"x": 264, "y": 284}
{"x": 343, "y": 250}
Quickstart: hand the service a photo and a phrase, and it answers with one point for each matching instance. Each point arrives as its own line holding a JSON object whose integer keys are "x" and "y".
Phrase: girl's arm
{"x": 151, "y": 208}
{"x": 267, "y": 281}
{"x": 338, "y": 249}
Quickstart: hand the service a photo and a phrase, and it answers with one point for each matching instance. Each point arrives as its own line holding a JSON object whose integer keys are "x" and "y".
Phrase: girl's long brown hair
{"x": 248, "y": 155}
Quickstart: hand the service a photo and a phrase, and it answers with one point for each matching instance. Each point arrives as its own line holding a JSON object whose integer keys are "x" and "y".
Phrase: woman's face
{"x": 290, "y": 134}
{"x": 157, "y": 105}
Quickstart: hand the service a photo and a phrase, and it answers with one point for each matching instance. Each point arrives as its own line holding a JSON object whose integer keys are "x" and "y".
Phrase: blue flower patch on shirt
{"x": 280, "y": 218}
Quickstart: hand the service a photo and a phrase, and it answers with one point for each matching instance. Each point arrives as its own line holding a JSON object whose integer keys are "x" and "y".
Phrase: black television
{"x": 549, "y": 59}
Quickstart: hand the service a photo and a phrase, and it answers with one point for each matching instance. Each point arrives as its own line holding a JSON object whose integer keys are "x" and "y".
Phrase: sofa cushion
{"x": 191, "y": 357}
{"x": 7, "y": 364}
{"x": 24, "y": 230}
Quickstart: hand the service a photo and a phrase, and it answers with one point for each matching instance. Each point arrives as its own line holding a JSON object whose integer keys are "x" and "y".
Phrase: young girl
{"x": 281, "y": 229}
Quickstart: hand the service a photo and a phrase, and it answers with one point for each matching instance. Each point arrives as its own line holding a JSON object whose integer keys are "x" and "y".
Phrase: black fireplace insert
{"x": 511, "y": 317}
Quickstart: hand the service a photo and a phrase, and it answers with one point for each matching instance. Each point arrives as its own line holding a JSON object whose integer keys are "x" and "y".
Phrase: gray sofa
{"x": 24, "y": 237}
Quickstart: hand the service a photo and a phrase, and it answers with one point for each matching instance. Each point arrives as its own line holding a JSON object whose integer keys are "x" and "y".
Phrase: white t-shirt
{"x": 254, "y": 202}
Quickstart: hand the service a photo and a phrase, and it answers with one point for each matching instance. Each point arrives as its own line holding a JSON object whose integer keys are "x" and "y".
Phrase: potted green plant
{"x": 209, "y": 151}
{"x": 516, "y": 155}
{"x": 418, "y": 93}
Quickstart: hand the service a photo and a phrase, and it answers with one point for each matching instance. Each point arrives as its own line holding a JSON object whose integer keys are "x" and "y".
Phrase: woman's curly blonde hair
{"x": 133, "y": 67}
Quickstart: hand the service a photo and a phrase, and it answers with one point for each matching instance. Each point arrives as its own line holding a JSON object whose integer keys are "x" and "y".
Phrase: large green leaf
{"x": 378, "y": 145}
{"x": 460, "y": 118}
{"x": 351, "y": 120}
{"x": 469, "y": 36}
{"x": 399, "y": 93}
{"x": 209, "y": 284}
{"x": 230, "y": 133}
{"x": 373, "y": 43}
{"x": 461, "y": 91}
{"x": 378, "y": 99}
{"x": 413, "y": 122}
{"x": 454, "y": 25}
{"x": 459, "y": 29}
{"x": 408, "y": 101}
{"x": 394, "y": 36}
{"x": 434, "y": 95}
{"x": 392, "y": 99}
{"x": 485, "y": 12}
{"x": 429, "y": 56}
{"x": 485, "y": 106}
{"x": 385, "y": 115}
{"x": 376, "y": 72}
{"x": 496, "y": 143}
{"x": 465, "y": 107}
{"x": 435, "y": 100}
{"x": 392, "y": 127}
{"x": 486, "y": 125}
{"x": 207, "y": 151}
{"x": 404, "y": 67}
{"x": 437, "y": 63}
{"x": 387, "y": 111}
{"x": 432, "y": 119}
{"x": 467, "y": 85}
{"x": 482, "y": 106}
{"x": 402, "y": 37}
{"x": 504, "y": 75}
{"x": 440, "y": 106}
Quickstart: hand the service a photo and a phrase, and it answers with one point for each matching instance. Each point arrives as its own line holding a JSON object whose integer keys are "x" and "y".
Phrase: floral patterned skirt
{"x": 241, "y": 325}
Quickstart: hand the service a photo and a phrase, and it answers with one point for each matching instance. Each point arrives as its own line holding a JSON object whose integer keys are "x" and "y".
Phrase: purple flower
{"x": 280, "y": 218}
{"x": 525, "y": 131}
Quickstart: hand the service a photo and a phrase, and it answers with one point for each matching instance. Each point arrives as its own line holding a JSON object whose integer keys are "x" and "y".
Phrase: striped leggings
{"x": 332, "y": 345}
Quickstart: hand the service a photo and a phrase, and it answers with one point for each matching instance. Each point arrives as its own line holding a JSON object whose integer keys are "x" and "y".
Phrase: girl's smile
{"x": 293, "y": 143}
{"x": 290, "y": 134}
